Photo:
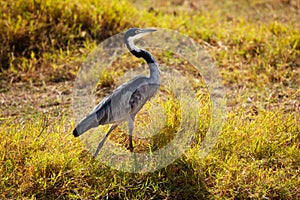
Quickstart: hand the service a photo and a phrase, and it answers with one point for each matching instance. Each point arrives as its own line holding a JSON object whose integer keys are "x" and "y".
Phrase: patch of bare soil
{"x": 21, "y": 99}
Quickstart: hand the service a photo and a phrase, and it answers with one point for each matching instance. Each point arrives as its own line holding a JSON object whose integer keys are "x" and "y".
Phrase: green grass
{"x": 256, "y": 47}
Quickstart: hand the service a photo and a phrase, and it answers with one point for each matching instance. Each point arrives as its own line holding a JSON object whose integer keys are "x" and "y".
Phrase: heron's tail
{"x": 87, "y": 123}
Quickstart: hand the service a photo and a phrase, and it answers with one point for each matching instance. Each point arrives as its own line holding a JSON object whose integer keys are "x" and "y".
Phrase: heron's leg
{"x": 130, "y": 128}
{"x": 104, "y": 139}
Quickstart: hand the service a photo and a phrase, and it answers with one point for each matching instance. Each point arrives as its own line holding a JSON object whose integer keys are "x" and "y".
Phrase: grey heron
{"x": 127, "y": 100}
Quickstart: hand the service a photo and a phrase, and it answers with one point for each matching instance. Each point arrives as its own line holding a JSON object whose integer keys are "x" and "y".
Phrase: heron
{"x": 128, "y": 99}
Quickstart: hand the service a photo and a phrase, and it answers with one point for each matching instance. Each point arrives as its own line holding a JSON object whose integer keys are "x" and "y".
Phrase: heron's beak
{"x": 143, "y": 32}
{"x": 148, "y": 30}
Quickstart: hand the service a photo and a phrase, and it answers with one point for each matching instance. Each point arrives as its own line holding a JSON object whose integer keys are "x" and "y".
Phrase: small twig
{"x": 45, "y": 126}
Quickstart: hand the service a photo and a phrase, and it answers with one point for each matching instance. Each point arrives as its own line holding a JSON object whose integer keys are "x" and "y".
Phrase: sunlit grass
{"x": 254, "y": 157}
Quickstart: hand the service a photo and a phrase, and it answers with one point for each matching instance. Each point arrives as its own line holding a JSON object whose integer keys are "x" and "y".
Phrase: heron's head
{"x": 136, "y": 33}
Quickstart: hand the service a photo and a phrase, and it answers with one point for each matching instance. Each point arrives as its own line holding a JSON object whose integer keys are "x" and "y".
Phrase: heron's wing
{"x": 115, "y": 107}
{"x": 126, "y": 99}
{"x": 104, "y": 113}
{"x": 141, "y": 95}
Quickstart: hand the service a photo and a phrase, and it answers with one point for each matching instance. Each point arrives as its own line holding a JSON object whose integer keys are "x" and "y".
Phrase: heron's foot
{"x": 95, "y": 155}
{"x": 130, "y": 148}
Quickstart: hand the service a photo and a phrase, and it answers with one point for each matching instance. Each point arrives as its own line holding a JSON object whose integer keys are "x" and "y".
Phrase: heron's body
{"x": 127, "y": 100}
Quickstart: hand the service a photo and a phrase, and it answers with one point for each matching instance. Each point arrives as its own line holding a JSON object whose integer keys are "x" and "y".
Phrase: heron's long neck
{"x": 141, "y": 53}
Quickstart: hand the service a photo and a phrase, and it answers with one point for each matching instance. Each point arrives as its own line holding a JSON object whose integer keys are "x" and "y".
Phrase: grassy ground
{"x": 256, "y": 46}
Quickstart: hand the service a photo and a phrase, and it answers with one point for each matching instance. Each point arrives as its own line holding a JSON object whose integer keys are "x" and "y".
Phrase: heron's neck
{"x": 141, "y": 53}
